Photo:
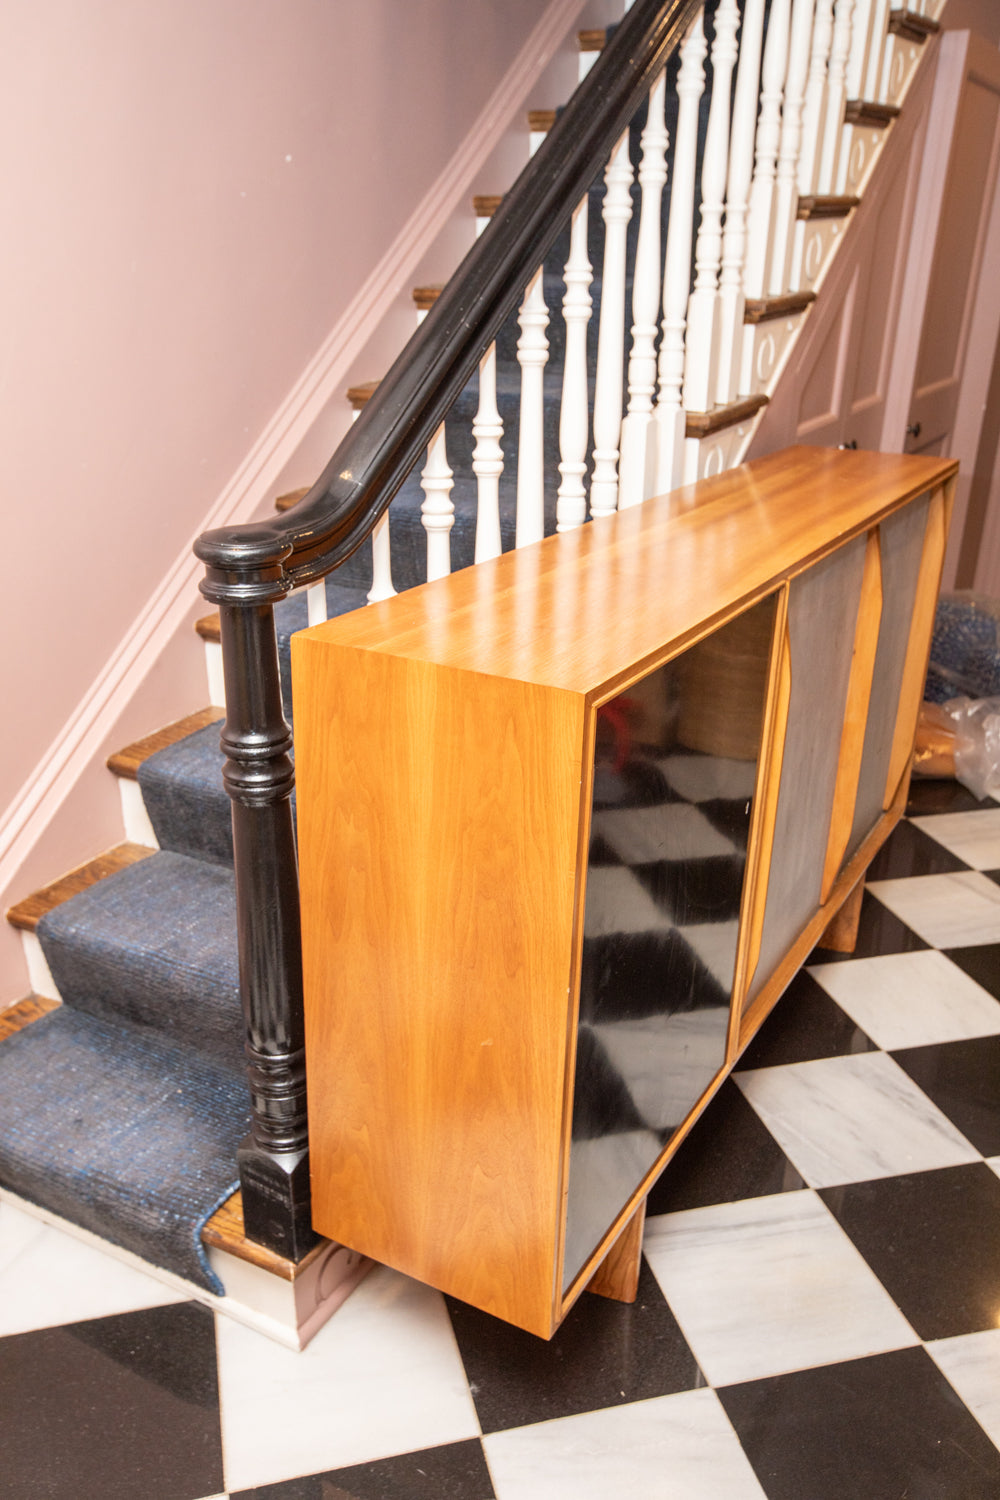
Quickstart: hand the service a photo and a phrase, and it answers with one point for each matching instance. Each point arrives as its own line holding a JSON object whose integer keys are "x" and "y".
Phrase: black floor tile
{"x": 981, "y": 963}
{"x": 605, "y": 1354}
{"x": 114, "y": 1407}
{"x": 963, "y": 1079}
{"x": 879, "y": 931}
{"x": 910, "y": 851}
{"x": 885, "y": 1428}
{"x": 456, "y": 1471}
{"x": 933, "y": 1240}
{"x": 942, "y": 796}
{"x": 805, "y": 1024}
{"x": 729, "y": 1155}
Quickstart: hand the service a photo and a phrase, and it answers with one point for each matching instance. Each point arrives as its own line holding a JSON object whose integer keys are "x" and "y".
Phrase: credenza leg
{"x": 841, "y": 933}
{"x": 617, "y": 1276}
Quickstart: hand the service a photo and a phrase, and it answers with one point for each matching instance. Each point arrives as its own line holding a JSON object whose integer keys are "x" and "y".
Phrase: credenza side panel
{"x": 439, "y": 877}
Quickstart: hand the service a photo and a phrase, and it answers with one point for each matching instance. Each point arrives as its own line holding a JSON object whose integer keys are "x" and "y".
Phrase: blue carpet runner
{"x": 122, "y": 1111}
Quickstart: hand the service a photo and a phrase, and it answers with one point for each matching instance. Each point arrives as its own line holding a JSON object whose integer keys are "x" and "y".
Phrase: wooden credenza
{"x": 569, "y": 823}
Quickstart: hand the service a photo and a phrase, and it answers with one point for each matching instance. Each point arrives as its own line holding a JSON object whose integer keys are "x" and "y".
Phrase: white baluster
{"x": 668, "y": 414}
{"x": 760, "y": 229}
{"x": 731, "y": 294}
{"x": 786, "y": 190}
{"x": 836, "y": 96}
{"x": 645, "y": 302}
{"x": 864, "y": 64}
{"x": 381, "y": 565}
{"x": 437, "y": 512}
{"x": 616, "y": 212}
{"x": 574, "y": 418}
{"x": 487, "y": 460}
{"x": 871, "y": 89}
{"x": 532, "y": 356}
{"x": 316, "y": 602}
{"x": 702, "y": 353}
{"x": 814, "y": 109}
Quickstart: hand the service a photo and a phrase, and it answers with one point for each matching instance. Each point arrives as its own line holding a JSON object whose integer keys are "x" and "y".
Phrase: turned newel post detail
{"x": 258, "y": 774}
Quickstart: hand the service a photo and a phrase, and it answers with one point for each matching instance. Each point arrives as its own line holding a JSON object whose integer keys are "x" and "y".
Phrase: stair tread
{"x": 127, "y": 762}
{"x": 27, "y": 914}
{"x": 911, "y": 26}
{"x": 703, "y": 424}
{"x": 153, "y": 948}
{"x": 869, "y": 112}
{"x": 826, "y": 206}
{"x": 139, "y": 1153}
{"x": 762, "y": 309}
{"x": 225, "y": 1231}
{"x": 185, "y": 799}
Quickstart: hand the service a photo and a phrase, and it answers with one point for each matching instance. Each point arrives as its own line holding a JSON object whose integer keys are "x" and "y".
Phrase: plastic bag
{"x": 965, "y": 650}
{"x": 977, "y": 743}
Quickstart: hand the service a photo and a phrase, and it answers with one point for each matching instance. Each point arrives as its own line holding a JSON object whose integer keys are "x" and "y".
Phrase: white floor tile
{"x": 971, "y": 1363}
{"x": 48, "y": 1278}
{"x": 850, "y": 1119}
{"x": 770, "y": 1285}
{"x": 384, "y": 1376}
{"x": 671, "y": 1448}
{"x": 948, "y": 911}
{"x": 910, "y": 999}
{"x": 971, "y": 836}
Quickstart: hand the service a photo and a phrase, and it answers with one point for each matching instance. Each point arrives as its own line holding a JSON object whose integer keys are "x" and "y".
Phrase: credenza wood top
{"x": 571, "y": 611}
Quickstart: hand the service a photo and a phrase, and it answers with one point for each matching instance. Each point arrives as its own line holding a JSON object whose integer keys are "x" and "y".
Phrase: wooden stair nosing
{"x": 424, "y": 297}
{"x": 826, "y": 206}
{"x": 868, "y": 112}
{"x": 910, "y": 26}
{"x": 285, "y": 502}
{"x": 225, "y": 1231}
{"x": 485, "y": 205}
{"x": 208, "y": 627}
{"x": 360, "y": 395}
{"x": 21, "y": 1014}
{"x": 126, "y": 762}
{"x": 700, "y": 424}
{"x": 763, "y": 309}
{"x": 541, "y": 119}
{"x": 26, "y": 915}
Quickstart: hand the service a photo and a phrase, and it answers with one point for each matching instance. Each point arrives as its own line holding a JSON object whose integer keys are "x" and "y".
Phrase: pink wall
{"x": 193, "y": 193}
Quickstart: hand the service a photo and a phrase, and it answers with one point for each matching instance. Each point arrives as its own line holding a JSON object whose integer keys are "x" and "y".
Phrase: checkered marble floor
{"x": 818, "y": 1315}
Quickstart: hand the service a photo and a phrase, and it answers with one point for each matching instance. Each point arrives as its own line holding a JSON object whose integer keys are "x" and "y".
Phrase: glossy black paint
{"x": 258, "y": 775}
{"x": 249, "y": 568}
{"x": 670, "y": 822}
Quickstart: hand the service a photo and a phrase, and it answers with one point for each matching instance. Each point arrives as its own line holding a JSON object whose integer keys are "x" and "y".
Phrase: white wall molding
{"x": 87, "y": 728}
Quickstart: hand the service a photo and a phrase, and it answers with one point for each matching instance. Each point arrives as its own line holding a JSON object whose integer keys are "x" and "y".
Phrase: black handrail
{"x": 249, "y": 568}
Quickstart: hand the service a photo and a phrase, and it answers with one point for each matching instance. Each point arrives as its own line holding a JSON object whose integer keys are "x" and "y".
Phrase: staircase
{"x": 660, "y": 309}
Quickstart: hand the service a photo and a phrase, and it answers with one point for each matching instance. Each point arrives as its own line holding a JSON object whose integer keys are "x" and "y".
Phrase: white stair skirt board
{"x": 858, "y": 153}
{"x": 135, "y": 818}
{"x": 816, "y": 240}
{"x": 706, "y": 456}
{"x": 766, "y": 347}
{"x": 290, "y": 1312}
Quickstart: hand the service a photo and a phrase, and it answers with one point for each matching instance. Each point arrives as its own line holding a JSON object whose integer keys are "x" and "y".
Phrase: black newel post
{"x": 258, "y": 774}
